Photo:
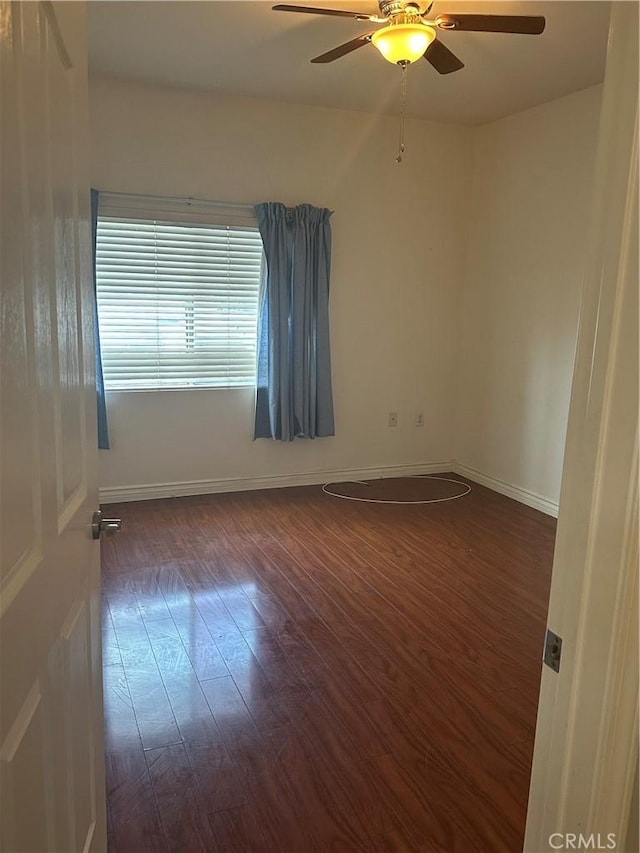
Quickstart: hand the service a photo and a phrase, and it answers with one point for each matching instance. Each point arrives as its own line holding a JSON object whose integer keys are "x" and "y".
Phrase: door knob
{"x": 100, "y": 524}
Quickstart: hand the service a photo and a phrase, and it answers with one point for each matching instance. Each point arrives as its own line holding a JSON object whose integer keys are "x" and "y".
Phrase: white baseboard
{"x": 531, "y": 499}
{"x": 153, "y": 491}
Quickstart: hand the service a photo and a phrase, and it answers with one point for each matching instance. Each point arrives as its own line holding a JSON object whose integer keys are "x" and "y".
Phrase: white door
{"x": 585, "y": 757}
{"x": 51, "y": 753}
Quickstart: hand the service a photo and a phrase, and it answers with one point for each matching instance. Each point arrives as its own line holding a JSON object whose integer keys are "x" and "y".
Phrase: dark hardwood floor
{"x": 289, "y": 672}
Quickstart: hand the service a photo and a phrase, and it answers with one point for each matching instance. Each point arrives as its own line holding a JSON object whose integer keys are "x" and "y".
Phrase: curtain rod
{"x": 188, "y": 200}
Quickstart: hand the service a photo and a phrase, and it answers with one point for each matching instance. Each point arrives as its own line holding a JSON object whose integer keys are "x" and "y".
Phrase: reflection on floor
{"x": 290, "y": 672}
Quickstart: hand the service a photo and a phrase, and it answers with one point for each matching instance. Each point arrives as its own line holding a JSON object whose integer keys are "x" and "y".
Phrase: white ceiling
{"x": 245, "y": 48}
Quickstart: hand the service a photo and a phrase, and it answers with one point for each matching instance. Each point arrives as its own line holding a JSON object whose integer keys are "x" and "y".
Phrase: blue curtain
{"x": 294, "y": 397}
{"x": 103, "y": 432}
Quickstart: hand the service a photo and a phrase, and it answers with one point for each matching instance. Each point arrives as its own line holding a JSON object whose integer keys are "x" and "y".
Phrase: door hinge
{"x": 552, "y": 650}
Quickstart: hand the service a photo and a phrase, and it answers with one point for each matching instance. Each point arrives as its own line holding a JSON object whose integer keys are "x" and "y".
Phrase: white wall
{"x": 397, "y": 263}
{"x": 529, "y": 204}
{"x": 455, "y": 283}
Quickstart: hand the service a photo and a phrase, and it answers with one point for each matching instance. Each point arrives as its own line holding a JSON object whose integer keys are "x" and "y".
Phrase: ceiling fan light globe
{"x": 400, "y": 43}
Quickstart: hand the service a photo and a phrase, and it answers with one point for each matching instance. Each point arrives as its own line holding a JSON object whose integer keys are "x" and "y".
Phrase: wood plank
{"x": 238, "y": 829}
{"x": 133, "y": 812}
{"x": 181, "y": 810}
{"x": 310, "y": 674}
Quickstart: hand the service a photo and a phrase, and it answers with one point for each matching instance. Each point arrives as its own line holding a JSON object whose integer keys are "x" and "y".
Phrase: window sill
{"x": 179, "y": 388}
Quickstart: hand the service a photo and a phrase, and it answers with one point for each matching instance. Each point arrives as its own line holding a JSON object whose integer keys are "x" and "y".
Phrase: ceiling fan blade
{"x": 343, "y": 49}
{"x": 442, "y": 59}
{"x": 525, "y": 24}
{"x": 313, "y": 11}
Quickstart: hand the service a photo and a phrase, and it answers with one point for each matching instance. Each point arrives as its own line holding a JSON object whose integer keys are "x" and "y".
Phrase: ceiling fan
{"x": 410, "y": 34}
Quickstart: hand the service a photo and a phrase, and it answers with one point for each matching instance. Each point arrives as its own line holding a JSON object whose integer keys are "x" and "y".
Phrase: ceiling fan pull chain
{"x": 403, "y": 108}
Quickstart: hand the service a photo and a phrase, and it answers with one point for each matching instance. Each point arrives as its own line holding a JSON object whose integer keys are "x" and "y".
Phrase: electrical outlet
{"x": 393, "y": 419}
{"x": 419, "y": 418}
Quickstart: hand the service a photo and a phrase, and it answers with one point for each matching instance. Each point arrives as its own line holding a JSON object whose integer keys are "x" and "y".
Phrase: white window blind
{"x": 177, "y": 296}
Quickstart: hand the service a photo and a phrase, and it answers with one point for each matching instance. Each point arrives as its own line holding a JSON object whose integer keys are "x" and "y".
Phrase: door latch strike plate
{"x": 552, "y": 650}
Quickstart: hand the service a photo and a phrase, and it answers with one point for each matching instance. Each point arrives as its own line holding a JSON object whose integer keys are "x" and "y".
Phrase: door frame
{"x": 585, "y": 760}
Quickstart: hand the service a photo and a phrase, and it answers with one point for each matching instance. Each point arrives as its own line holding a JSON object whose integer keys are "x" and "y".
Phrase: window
{"x": 177, "y": 293}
